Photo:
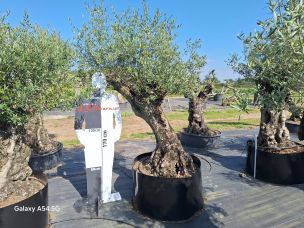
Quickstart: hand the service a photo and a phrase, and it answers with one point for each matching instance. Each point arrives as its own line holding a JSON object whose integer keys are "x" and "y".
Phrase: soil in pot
{"x": 279, "y": 166}
{"x": 22, "y": 203}
{"x": 166, "y": 199}
{"x": 199, "y": 141}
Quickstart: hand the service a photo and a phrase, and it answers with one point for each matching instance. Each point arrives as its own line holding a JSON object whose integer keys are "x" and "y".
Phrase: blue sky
{"x": 216, "y": 22}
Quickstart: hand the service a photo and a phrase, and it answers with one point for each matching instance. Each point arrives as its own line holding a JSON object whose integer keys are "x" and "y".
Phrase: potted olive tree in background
{"x": 274, "y": 59}
{"x": 198, "y": 134}
{"x": 296, "y": 108}
{"x": 293, "y": 122}
{"x": 45, "y": 152}
{"x": 242, "y": 102}
{"x": 220, "y": 92}
{"x": 137, "y": 53}
{"x": 34, "y": 66}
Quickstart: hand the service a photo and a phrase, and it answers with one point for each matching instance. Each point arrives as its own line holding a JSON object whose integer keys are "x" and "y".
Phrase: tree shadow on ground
{"x": 124, "y": 182}
{"x": 208, "y": 217}
{"x": 73, "y": 169}
{"x": 299, "y": 186}
{"x": 217, "y": 156}
{"x": 230, "y": 153}
{"x": 244, "y": 178}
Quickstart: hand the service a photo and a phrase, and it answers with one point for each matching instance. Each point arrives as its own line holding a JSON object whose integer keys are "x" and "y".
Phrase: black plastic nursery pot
{"x": 199, "y": 141}
{"x": 293, "y": 127}
{"x": 167, "y": 199}
{"x": 218, "y": 97}
{"x": 42, "y": 162}
{"x": 15, "y": 215}
{"x": 276, "y": 168}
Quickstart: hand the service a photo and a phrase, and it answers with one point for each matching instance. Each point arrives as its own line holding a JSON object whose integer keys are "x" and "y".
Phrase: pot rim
{"x": 202, "y": 136}
{"x": 196, "y": 161}
{"x": 51, "y": 152}
{"x": 278, "y": 148}
{"x": 282, "y": 148}
{"x": 297, "y": 123}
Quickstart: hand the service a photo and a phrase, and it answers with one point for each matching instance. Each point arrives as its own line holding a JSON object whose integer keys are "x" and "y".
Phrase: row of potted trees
{"x": 137, "y": 53}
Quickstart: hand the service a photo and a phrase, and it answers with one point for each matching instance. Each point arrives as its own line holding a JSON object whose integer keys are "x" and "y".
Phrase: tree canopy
{"x": 137, "y": 52}
{"x": 35, "y": 71}
{"x": 274, "y": 55}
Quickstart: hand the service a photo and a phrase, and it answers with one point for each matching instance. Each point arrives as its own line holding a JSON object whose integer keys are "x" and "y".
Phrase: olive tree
{"x": 242, "y": 101}
{"x": 34, "y": 76}
{"x": 274, "y": 59}
{"x": 136, "y": 51}
{"x": 198, "y": 92}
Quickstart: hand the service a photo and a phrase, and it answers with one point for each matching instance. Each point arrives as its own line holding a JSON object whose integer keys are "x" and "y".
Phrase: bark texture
{"x": 15, "y": 152}
{"x": 169, "y": 158}
{"x": 273, "y": 132}
{"x": 37, "y": 137}
{"x": 196, "y": 121}
{"x": 14, "y": 157}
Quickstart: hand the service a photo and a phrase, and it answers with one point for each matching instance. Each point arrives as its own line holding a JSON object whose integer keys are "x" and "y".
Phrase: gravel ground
{"x": 230, "y": 200}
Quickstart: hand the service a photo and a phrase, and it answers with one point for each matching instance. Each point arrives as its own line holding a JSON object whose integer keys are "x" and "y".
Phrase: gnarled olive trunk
{"x": 169, "y": 158}
{"x": 197, "y": 124}
{"x": 16, "y": 149}
{"x": 14, "y": 157}
{"x": 37, "y": 137}
{"x": 273, "y": 132}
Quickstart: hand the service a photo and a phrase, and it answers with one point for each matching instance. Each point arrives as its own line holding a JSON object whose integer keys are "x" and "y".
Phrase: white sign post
{"x": 103, "y": 124}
